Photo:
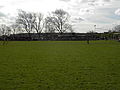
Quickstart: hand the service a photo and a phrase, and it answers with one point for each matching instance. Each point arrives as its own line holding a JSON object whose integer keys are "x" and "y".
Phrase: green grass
{"x": 60, "y": 65}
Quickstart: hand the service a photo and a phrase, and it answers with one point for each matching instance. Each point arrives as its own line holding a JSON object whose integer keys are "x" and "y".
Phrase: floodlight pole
{"x": 95, "y": 28}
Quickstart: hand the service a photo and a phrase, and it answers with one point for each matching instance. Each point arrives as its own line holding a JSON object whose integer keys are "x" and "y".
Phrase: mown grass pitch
{"x": 60, "y": 65}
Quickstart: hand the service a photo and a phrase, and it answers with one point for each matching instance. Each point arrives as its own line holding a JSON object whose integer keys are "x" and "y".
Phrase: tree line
{"x": 57, "y": 21}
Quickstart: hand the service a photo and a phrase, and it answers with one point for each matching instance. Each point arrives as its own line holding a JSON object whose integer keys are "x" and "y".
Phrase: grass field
{"x": 60, "y": 65}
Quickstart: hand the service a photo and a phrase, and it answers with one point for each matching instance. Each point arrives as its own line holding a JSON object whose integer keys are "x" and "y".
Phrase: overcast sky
{"x": 84, "y": 13}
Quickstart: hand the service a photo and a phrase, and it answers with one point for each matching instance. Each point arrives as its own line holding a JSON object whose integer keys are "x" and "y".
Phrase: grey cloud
{"x": 84, "y": 1}
{"x": 65, "y": 0}
{"x": 97, "y": 3}
{"x": 104, "y": 16}
{"x": 79, "y": 19}
{"x": 86, "y": 11}
{"x": 1, "y": 7}
{"x": 117, "y": 12}
{"x": 99, "y": 0}
{"x": 88, "y": 1}
{"x": 2, "y": 14}
{"x": 107, "y": 0}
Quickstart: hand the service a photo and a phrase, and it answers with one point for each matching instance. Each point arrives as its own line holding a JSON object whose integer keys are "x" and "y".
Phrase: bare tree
{"x": 38, "y": 24}
{"x": 5, "y": 32}
{"x": 26, "y": 20}
{"x": 49, "y": 26}
{"x": 68, "y": 28}
{"x": 15, "y": 28}
{"x": 59, "y": 21}
{"x": 117, "y": 28}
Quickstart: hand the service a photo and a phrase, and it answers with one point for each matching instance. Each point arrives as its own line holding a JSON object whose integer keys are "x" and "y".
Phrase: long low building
{"x": 53, "y": 36}
{"x": 60, "y": 36}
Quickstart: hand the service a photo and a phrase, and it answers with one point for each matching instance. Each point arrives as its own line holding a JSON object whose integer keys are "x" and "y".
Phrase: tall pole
{"x": 95, "y": 28}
